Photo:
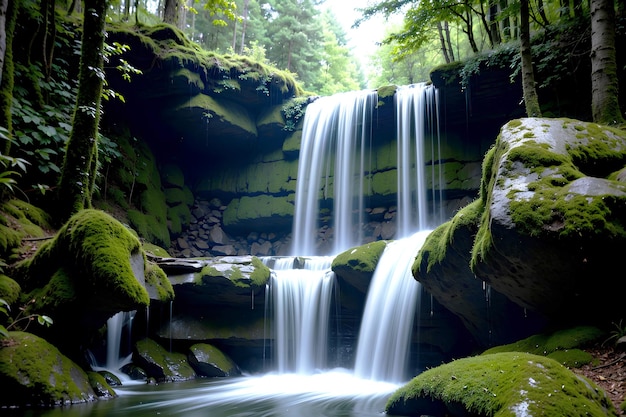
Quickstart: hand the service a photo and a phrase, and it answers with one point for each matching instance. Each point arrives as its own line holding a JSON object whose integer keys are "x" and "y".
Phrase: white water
{"x": 390, "y": 312}
{"x": 415, "y": 116}
{"x": 333, "y": 161}
{"x": 301, "y": 301}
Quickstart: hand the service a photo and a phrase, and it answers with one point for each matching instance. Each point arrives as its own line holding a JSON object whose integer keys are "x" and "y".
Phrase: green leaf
{"x": 3, "y": 331}
{"x": 44, "y": 320}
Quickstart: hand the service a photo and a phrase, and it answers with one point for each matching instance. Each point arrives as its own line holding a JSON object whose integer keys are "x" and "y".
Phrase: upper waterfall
{"x": 336, "y": 167}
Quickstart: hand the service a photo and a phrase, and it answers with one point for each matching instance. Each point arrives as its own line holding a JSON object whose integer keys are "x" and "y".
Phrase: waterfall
{"x": 416, "y": 116}
{"x": 394, "y": 296}
{"x": 301, "y": 301}
{"x": 115, "y": 328}
{"x": 390, "y": 309}
{"x": 333, "y": 161}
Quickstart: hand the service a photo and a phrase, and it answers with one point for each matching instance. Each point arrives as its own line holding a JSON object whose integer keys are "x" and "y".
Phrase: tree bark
{"x": 4, "y": 4}
{"x": 531, "y": 100}
{"x": 442, "y": 42}
{"x": 75, "y": 187}
{"x": 8, "y": 79}
{"x": 170, "y": 13}
{"x": 604, "y": 83}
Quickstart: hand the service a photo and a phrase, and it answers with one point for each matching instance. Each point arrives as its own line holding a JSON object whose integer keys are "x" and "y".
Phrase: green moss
{"x": 34, "y": 372}
{"x": 261, "y": 273}
{"x": 362, "y": 258}
{"x": 178, "y": 216}
{"x": 172, "y": 175}
{"x": 9, "y": 289}
{"x": 155, "y": 250}
{"x": 504, "y": 384}
{"x": 91, "y": 255}
{"x": 387, "y": 91}
{"x": 189, "y": 78}
{"x": 209, "y": 354}
{"x": 571, "y": 358}
{"x": 251, "y": 208}
{"x": 157, "y": 278}
{"x": 149, "y": 228}
{"x": 163, "y": 365}
{"x": 543, "y": 344}
{"x": 100, "y": 386}
{"x": 436, "y": 244}
{"x": 223, "y": 110}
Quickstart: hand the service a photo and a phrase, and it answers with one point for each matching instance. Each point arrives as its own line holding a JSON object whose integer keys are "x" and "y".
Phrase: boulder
{"x": 499, "y": 384}
{"x": 34, "y": 373}
{"x": 209, "y": 361}
{"x": 549, "y": 217}
{"x": 160, "y": 364}
{"x": 92, "y": 269}
{"x": 356, "y": 266}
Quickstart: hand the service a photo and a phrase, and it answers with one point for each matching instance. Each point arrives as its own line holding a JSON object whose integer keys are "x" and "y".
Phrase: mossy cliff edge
{"x": 550, "y": 216}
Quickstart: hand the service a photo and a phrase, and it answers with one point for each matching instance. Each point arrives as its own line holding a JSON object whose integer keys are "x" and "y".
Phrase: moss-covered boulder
{"x": 356, "y": 266}
{"x": 34, "y": 373}
{"x": 442, "y": 266}
{"x": 209, "y": 361}
{"x": 550, "y": 214}
{"x": 501, "y": 384}
{"x": 564, "y": 346}
{"x": 160, "y": 364}
{"x": 19, "y": 220}
{"x": 92, "y": 269}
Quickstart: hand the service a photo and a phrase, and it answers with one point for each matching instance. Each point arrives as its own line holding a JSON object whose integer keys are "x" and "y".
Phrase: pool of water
{"x": 333, "y": 394}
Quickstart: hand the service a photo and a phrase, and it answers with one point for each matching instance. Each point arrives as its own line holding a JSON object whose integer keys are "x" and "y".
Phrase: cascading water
{"x": 333, "y": 161}
{"x": 394, "y": 296}
{"x": 301, "y": 302}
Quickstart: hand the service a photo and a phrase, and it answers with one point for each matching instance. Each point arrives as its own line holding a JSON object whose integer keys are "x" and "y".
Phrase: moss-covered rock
{"x": 34, "y": 373}
{"x": 9, "y": 289}
{"x": 19, "y": 220}
{"x": 537, "y": 193}
{"x": 100, "y": 385}
{"x": 92, "y": 269}
{"x": 99, "y": 256}
{"x": 209, "y": 361}
{"x": 562, "y": 346}
{"x": 158, "y": 285}
{"x": 356, "y": 266}
{"x": 260, "y": 213}
{"x": 161, "y": 364}
{"x": 501, "y": 384}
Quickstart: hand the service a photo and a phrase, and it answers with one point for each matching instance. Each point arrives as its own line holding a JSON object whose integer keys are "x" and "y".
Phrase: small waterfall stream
{"x": 301, "y": 302}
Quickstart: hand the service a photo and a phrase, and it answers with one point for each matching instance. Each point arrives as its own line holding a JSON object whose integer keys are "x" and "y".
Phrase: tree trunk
{"x": 531, "y": 100}
{"x": 446, "y": 30}
{"x": 246, "y": 6}
{"x": 4, "y": 5}
{"x": 74, "y": 192}
{"x": 442, "y": 42}
{"x": 8, "y": 79}
{"x": 604, "y": 82}
{"x": 170, "y": 13}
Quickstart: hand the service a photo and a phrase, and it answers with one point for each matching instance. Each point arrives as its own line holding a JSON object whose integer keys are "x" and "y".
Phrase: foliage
{"x": 17, "y": 323}
{"x": 8, "y": 165}
{"x": 619, "y": 331}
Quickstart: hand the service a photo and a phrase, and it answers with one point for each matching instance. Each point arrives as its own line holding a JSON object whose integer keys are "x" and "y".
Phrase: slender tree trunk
{"x": 494, "y": 28}
{"x": 604, "y": 83}
{"x": 505, "y": 21}
{"x": 470, "y": 31}
{"x": 4, "y": 5}
{"x": 542, "y": 13}
{"x": 74, "y": 192}
{"x": 8, "y": 77}
{"x": 442, "y": 42}
{"x": 446, "y": 31}
{"x": 531, "y": 100}
{"x": 246, "y": 6}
